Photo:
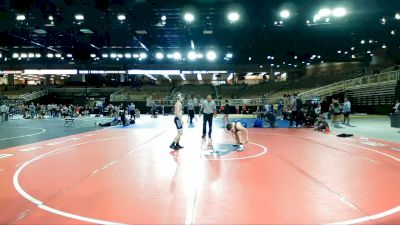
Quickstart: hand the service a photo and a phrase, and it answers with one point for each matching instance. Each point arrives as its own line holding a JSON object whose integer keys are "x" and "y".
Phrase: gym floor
{"x": 52, "y": 174}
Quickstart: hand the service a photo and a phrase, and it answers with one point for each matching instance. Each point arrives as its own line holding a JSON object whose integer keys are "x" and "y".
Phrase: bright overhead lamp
{"x": 142, "y": 55}
{"x": 189, "y": 17}
{"x": 50, "y": 55}
{"x": 176, "y": 56}
{"x": 199, "y": 55}
{"x": 339, "y": 12}
{"x": 113, "y": 55}
{"x": 159, "y": 55}
{"x": 128, "y": 55}
{"x": 38, "y": 55}
{"x": 163, "y": 18}
{"x": 58, "y": 55}
{"x": 325, "y": 12}
{"x": 51, "y": 18}
{"x": 121, "y": 17}
{"x": 233, "y": 17}
{"x": 192, "y": 56}
{"x": 211, "y": 55}
{"x": 229, "y": 55}
{"x": 24, "y": 55}
{"x": 397, "y": 16}
{"x": 384, "y": 46}
{"x": 31, "y": 55}
{"x": 353, "y": 56}
{"x": 285, "y": 14}
{"x": 120, "y": 56}
{"x": 104, "y": 55}
{"x": 362, "y": 42}
{"x": 20, "y": 17}
{"x": 316, "y": 18}
{"x": 79, "y": 17}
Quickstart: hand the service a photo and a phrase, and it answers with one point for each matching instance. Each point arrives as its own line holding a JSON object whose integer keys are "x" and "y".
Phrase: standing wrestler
{"x": 178, "y": 122}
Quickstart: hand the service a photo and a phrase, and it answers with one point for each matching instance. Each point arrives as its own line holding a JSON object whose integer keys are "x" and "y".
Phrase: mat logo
{"x": 374, "y": 144}
{"x": 2, "y": 156}
{"x": 220, "y": 150}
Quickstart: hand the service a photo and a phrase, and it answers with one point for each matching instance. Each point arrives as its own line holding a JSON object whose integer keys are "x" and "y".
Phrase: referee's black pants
{"x": 207, "y": 118}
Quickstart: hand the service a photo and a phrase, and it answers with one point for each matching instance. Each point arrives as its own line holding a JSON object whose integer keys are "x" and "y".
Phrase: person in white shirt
{"x": 397, "y": 106}
{"x": 3, "y": 112}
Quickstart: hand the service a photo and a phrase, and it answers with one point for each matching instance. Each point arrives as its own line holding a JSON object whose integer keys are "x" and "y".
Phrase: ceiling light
{"x": 15, "y": 55}
{"x": 397, "y": 16}
{"x": 164, "y": 18}
{"x": 192, "y": 56}
{"x": 199, "y": 55}
{"x": 189, "y": 17}
{"x": 93, "y": 55}
{"x": 353, "y": 56}
{"x": 51, "y": 18}
{"x": 31, "y": 55}
{"x": 339, "y": 12}
{"x": 113, "y": 55}
{"x": 176, "y": 56}
{"x": 250, "y": 58}
{"x": 211, "y": 55}
{"x": 371, "y": 41}
{"x": 24, "y": 55}
{"x": 325, "y": 12}
{"x": 316, "y": 18}
{"x": 393, "y": 32}
{"x": 69, "y": 55}
{"x": 308, "y": 22}
{"x": 136, "y": 56}
{"x": 58, "y": 55}
{"x": 50, "y": 55}
{"x": 128, "y": 55}
{"x": 159, "y": 55}
{"x": 20, "y": 17}
{"x": 170, "y": 56}
{"x": 121, "y": 17}
{"x": 38, "y": 55}
{"x": 233, "y": 17}
{"x": 369, "y": 51}
{"x": 104, "y": 55}
{"x": 383, "y": 46}
{"x": 352, "y": 48}
{"x": 229, "y": 55}
{"x": 143, "y": 55}
{"x": 339, "y": 51}
{"x": 119, "y": 55}
{"x": 285, "y": 14}
{"x": 79, "y": 17}
{"x": 362, "y": 42}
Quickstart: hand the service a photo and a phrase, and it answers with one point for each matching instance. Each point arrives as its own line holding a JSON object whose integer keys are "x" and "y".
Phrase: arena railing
{"x": 342, "y": 86}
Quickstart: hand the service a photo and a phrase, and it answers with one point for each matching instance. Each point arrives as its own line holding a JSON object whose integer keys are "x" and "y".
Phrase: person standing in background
{"x": 209, "y": 111}
{"x": 191, "y": 109}
{"x": 226, "y": 111}
{"x": 346, "y": 111}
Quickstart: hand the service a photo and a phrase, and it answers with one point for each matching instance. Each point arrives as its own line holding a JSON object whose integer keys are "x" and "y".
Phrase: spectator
{"x": 346, "y": 111}
{"x": 3, "y": 112}
{"x": 397, "y": 106}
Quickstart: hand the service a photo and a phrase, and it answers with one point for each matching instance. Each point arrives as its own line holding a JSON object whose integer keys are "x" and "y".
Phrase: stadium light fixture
{"x": 393, "y": 32}
{"x": 104, "y": 55}
{"x": 384, "y": 46}
{"x": 58, "y": 55}
{"x": 233, "y": 17}
{"x": 211, "y": 55}
{"x": 93, "y": 55}
{"x": 163, "y": 18}
{"x": 38, "y": 55}
{"x": 325, "y": 12}
{"x": 31, "y": 55}
{"x": 339, "y": 12}
{"x": 199, "y": 77}
{"x": 24, "y": 55}
{"x": 284, "y": 14}
{"x": 316, "y": 18}
{"x": 142, "y": 55}
{"x": 128, "y": 55}
{"x": 199, "y": 55}
{"x": 51, "y": 18}
{"x": 50, "y": 55}
{"x": 362, "y": 42}
{"x": 189, "y": 17}
{"x": 177, "y": 56}
{"x": 119, "y": 56}
{"x": 229, "y": 55}
{"x": 397, "y": 16}
{"x": 69, "y": 55}
{"x": 192, "y": 56}
{"x": 121, "y": 17}
{"x": 79, "y": 17}
{"x": 20, "y": 17}
{"x": 159, "y": 55}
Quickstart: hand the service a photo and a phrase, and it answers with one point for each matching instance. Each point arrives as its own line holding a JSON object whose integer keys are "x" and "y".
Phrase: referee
{"x": 209, "y": 111}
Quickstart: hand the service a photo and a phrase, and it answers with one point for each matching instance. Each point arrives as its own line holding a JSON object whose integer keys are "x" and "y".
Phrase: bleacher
{"x": 197, "y": 90}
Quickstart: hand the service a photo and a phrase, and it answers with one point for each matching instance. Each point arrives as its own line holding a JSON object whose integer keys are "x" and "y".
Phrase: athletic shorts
{"x": 178, "y": 123}
{"x": 346, "y": 114}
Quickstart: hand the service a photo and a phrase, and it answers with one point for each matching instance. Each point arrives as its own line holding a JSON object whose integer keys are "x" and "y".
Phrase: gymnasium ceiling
{"x": 260, "y": 36}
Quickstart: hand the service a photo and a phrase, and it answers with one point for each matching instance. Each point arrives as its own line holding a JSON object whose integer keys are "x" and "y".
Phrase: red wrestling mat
{"x": 128, "y": 176}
